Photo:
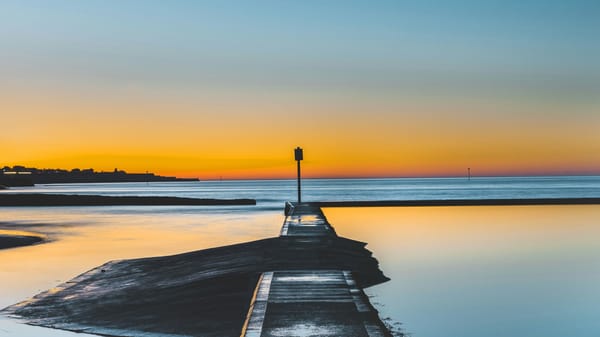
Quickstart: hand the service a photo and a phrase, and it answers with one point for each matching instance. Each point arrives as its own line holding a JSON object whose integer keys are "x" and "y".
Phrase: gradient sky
{"x": 368, "y": 88}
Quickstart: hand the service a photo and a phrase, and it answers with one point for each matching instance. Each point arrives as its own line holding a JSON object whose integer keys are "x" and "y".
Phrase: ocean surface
{"x": 456, "y": 271}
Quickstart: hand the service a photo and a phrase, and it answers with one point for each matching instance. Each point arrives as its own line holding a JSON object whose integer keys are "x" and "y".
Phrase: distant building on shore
{"x": 28, "y": 176}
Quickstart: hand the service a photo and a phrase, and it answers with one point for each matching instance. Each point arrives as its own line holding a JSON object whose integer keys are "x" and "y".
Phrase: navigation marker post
{"x": 299, "y": 155}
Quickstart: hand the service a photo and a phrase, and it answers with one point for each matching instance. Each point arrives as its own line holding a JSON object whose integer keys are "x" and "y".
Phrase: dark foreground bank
{"x": 11, "y": 241}
{"x": 39, "y": 199}
{"x": 201, "y": 293}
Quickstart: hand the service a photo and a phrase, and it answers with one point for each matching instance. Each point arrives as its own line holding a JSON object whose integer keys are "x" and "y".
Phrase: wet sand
{"x": 12, "y": 241}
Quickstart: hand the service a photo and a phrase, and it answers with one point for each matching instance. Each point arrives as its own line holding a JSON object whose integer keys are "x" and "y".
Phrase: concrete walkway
{"x": 310, "y": 302}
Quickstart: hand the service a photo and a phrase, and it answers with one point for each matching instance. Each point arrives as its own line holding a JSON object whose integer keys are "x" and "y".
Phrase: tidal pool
{"x": 483, "y": 271}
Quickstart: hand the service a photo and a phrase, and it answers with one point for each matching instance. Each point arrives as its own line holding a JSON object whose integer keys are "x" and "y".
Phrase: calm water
{"x": 456, "y": 271}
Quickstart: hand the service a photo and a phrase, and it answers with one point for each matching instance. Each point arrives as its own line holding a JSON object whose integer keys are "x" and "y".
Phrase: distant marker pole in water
{"x": 469, "y": 173}
{"x": 299, "y": 155}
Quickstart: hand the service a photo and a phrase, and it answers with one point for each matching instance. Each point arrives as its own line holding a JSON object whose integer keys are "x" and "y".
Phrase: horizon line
{"x": 411, "y": 177}
{"x": 215, "y": 177}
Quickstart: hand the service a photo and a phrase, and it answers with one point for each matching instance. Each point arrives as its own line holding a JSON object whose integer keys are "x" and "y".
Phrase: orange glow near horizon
{"x": 214, "y": 138}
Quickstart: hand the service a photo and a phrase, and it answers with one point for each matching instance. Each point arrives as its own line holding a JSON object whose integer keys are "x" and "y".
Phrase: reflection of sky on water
{"x": 484, "y": 271}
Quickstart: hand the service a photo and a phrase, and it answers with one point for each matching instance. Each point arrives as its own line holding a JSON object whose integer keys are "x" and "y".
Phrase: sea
{"x": 464, "y": 271}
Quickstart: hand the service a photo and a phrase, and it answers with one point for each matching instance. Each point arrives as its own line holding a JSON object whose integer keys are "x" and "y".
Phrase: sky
{"x": 368, "y": 88}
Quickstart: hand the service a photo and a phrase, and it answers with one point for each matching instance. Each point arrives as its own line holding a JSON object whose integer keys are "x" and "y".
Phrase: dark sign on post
{"x": 299, "y": 156}
{"x": 298, "y": 153}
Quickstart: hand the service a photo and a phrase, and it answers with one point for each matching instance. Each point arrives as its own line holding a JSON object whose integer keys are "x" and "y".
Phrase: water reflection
{"x": 484, "y": 271}
{"x": 83, "y": 238}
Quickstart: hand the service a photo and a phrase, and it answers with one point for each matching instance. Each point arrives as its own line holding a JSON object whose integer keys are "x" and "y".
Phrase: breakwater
{"x": 41, "y": 199}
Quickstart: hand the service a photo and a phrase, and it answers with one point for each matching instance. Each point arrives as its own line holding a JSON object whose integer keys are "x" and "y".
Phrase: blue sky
{"x": 343, "y": 64}
{"x": 308, "y": 43}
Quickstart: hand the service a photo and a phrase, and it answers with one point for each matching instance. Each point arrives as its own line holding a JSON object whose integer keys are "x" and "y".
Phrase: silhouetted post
{"x": 299, "y": 156}
{"x": 469, "y": 173}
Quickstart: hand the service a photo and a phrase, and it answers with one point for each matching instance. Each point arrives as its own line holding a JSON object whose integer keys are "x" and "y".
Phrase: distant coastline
{"x": 29, "y": 176}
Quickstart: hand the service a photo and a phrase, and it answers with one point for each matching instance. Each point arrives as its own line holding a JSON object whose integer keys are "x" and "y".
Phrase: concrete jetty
{"x": 305, "y": 282}
{"x": 310, "y": 302}
{"x": 458, "y": 202}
